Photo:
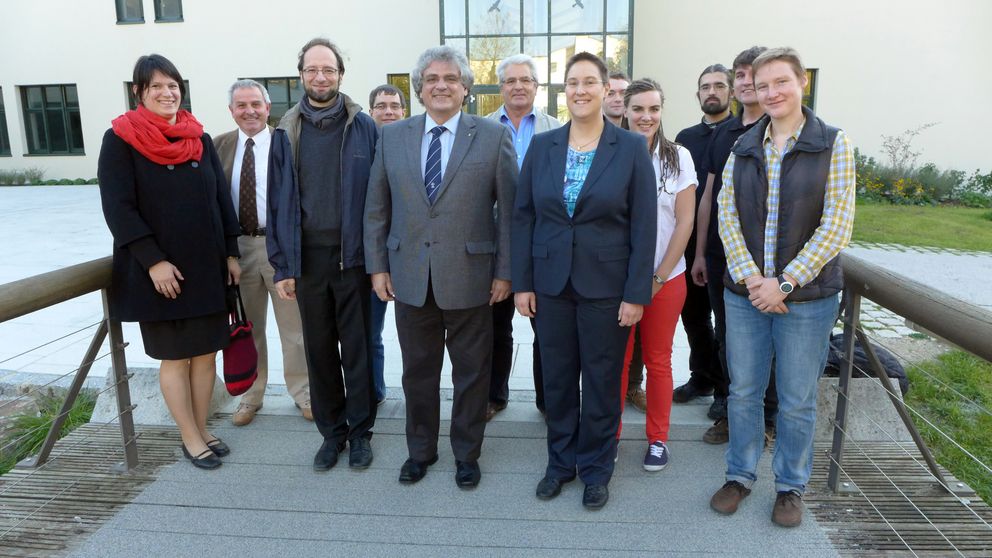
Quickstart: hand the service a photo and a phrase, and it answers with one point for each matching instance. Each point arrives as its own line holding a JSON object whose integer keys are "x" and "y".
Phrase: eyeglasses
{"x": 574, "y": 84}
{"x": 384, "y": 106}
{"x": 311, "y": 73}
{"x": 713, "y": 87}
{"x": 525, "y": 81}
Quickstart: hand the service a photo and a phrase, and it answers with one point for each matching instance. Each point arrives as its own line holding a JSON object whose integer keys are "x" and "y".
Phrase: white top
{"x": 447, "y": 140}
{"x": 666, "y": 204}
{"x": 261, "y": 150}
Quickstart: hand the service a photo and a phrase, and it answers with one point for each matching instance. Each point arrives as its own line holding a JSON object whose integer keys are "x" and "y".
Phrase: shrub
{"x": 975, "y": 199}
{"x": 92, "y": 181}
{"x": 79, "y": 181}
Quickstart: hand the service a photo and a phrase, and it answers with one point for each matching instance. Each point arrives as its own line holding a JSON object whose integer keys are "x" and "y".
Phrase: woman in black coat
{"x": 175, "y": 245}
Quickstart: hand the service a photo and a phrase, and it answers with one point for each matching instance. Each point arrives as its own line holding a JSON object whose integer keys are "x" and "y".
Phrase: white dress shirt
{"x": 447, "y": 140}
{"x": 261, "y": 149}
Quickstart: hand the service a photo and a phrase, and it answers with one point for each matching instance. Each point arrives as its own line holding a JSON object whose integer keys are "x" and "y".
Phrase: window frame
{"x": 274, "y": 115}
{"x": 122, "y": 18}
{"x": 158, "y": 12}
{"x": 4, "y": 133}
{"x": 66, "y": 111}
{"x": 463, "y": 41}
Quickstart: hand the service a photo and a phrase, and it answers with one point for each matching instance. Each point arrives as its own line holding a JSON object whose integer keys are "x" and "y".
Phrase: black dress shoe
{"x": 687, "y": 392}
{"x": 467, "y": 474}
{"x": 412, "y": 471}
{"x": 218, "y": 447}
{"x": 206, "y": 460}
{"x": 360, "y": 455}
{"x": 327, "y": 456}
{"x": 549, "y": 487}
{"x": 595, "y": 496}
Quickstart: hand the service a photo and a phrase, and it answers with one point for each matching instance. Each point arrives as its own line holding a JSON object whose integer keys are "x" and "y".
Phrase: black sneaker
{"x": 718, "y": 409}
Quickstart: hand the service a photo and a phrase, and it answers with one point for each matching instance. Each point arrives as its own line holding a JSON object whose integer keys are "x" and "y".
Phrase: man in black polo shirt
{"x": 713, "y": 93}
{"x": 709, "y": 261}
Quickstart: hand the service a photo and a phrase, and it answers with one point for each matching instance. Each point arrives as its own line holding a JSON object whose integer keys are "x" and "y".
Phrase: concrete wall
{"x": 884, "y": 65}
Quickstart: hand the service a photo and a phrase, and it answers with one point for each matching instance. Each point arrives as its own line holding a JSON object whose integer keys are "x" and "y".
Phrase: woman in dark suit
{"x": 175, "y": 245}
{"x": 583, "y": 243}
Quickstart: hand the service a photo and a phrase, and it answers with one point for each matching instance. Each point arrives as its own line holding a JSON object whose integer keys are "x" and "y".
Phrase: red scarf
{"x": 149, "y": 133}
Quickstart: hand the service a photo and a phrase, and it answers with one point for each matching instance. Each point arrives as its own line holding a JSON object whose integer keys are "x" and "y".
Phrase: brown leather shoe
{"x": 788, "y": 510}
{"x": 717, "y": 434}
{"x": 492, "y": 409}
{"x": 245, "y": 414}
{"x": 305, "y": 410}
{"x": 729, "y": 497}
{"x": 638, "y": 399}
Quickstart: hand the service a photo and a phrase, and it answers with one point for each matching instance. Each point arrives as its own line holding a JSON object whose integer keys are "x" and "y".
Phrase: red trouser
{"x": 657, "y": 333}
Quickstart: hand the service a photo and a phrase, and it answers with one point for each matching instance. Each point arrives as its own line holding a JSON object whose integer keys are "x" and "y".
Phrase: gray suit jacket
{"x": 455, "y": 242}
{"x": 226, "y": 145}
{"x": 542, "y": 121}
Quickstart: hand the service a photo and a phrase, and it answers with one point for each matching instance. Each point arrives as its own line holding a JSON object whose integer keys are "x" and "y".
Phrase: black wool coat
{"x": 180, "y": 213}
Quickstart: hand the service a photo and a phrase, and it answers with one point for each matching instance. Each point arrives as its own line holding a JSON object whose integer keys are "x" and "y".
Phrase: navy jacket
{"x": 283, "y": 226}
{"x": 606, "y": 249}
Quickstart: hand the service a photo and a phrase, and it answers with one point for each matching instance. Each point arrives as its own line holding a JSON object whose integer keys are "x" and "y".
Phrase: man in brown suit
{"x": 244, "y": 152}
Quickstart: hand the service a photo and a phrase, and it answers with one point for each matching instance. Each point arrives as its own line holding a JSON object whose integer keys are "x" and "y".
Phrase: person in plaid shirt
{"x": 785, "y": 212}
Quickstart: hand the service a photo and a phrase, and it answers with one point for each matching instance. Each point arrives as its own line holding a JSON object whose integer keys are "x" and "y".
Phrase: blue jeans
{"x": 378, "y": 352}
{"x": 799, "y": 341}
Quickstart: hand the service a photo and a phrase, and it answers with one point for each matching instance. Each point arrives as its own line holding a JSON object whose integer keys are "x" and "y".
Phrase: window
{"x": 548, "y": 30}
{"x": 284, "y": 93}
{"x": 51, "y": 119}
{"x": 4, "y": 137}
{"x": 809, "y": 94}
{"x": 401, "y": 82}
{"x": 168, "y": 10}
{"x": 130, "y": 11}
{"x": 132, "y": 103}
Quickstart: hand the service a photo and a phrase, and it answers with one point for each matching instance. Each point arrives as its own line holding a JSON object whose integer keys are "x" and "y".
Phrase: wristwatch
{"x": 784, "y": 286}
{"x": 657, "y": 279}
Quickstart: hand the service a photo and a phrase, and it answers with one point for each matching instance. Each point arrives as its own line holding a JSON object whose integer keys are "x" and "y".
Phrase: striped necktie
{"x": 432, "y": 168}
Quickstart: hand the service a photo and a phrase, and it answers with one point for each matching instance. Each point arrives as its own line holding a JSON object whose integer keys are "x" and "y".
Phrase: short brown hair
{"x": 584, "y": 56}
{"x": 746, "y": 57}
{"x": 619, "y": 75}
{"x": 320, "y": 41}
{"x": 788, "y": 55}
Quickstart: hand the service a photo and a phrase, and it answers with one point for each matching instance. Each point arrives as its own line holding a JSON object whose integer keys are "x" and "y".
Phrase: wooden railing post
{"x": 852, "y": 313}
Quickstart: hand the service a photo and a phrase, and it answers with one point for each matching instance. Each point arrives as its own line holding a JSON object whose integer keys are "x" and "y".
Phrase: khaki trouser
{"x": 256, "y": 289}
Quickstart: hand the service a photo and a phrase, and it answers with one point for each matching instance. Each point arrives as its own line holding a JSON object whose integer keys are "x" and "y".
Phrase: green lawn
{"x": 970, "y": 424}
{"x": 941, "y": 226}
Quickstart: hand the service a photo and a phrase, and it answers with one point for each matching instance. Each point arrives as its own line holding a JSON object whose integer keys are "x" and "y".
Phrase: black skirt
{"x": 185, "y": 338}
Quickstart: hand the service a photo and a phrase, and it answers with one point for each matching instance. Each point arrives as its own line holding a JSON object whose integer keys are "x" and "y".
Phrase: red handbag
{"x": 240, "y": 356}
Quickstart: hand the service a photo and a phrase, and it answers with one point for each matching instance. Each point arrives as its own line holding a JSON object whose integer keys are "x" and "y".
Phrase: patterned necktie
{"x": 247, "y": 211}
{"x": 432, "y": 168}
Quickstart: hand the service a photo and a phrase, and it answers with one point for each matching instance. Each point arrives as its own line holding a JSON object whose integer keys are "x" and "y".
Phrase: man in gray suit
{"x": 518, "y": 85}
{"x": 244, "y": 152}
{"x": 432, "y": 244}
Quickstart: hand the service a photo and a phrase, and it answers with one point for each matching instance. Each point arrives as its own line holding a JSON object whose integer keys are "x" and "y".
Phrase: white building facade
{"x": 879, "y": 67}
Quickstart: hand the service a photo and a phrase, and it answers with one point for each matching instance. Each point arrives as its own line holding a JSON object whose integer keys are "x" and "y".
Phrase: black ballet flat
{"x": 218, "y": 447}
{"x": 206, "y": 460}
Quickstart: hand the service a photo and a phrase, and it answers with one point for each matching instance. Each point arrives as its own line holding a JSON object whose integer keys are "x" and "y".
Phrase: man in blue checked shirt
{"x": 786, "y": 212}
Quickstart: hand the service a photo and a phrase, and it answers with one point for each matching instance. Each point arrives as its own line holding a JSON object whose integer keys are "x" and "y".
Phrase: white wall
{"x": 884, "y": 65}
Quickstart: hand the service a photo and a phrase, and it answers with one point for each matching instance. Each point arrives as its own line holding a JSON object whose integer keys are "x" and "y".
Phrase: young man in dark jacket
{"x": 318, "y": 175}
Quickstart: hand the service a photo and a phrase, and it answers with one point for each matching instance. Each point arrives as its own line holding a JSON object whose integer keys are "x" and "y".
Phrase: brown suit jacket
{"x": 226, "y": 145}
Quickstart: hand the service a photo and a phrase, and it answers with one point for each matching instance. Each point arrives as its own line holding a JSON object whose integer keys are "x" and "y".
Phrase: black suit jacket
{"x": 606, "y": 249}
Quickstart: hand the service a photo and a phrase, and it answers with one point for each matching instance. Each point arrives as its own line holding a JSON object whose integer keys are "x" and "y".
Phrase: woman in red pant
{"x": 676, "y": 184}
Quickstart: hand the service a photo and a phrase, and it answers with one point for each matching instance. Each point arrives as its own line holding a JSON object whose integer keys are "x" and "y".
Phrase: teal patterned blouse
{"x": 577, "y": 164}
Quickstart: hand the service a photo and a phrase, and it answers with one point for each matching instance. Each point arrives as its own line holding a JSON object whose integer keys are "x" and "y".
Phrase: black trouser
{"x": 714, "y": 287}
{"x": 635, "y": 370}
{"x": 334, "y": 307}
{"x": 704, "y": 361}
{"x": 538, "y": 371}
{"x": 499, "y": 382}
{"x": 581, "y": 343}
{"x": 423, "y": 332}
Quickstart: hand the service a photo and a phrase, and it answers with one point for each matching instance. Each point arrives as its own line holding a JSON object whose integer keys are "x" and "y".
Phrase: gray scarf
{"x": 321, "y": 116}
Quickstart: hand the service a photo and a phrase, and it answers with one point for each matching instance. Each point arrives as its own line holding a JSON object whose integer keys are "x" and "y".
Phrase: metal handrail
{"x": 24, "y": 296}
{"x": 956, "y": 321}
